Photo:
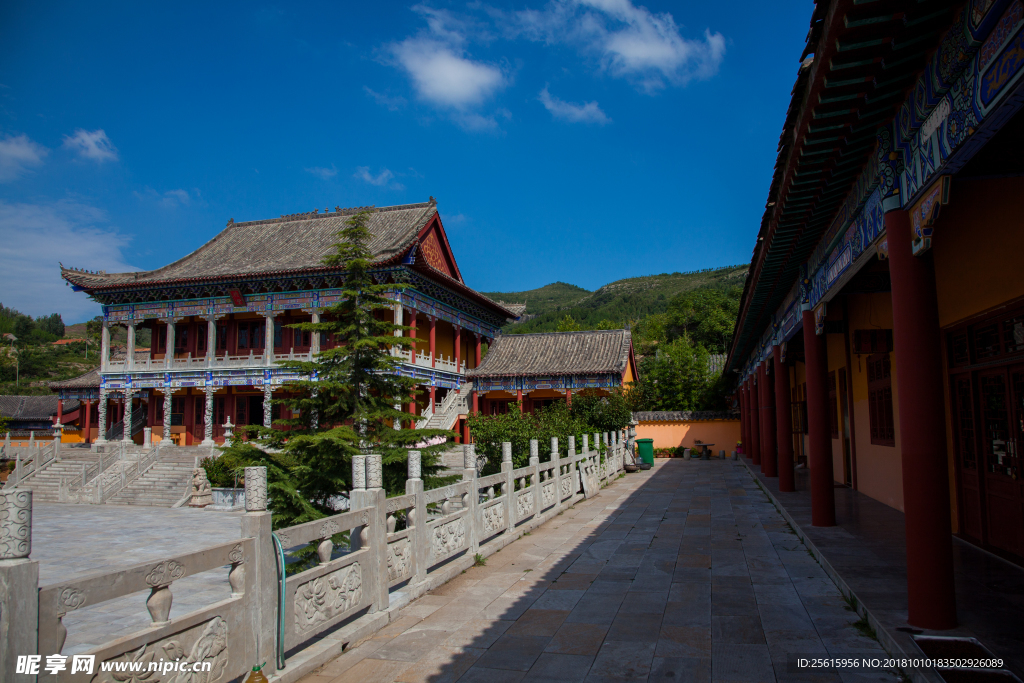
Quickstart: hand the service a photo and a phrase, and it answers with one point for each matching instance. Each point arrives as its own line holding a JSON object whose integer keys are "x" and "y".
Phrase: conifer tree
{"x": 350, "y": 404}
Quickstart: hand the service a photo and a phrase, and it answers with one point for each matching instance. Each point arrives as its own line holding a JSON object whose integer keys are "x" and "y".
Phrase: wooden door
{"x": 1003, "y": 511}
{"x": 966, "y": 442}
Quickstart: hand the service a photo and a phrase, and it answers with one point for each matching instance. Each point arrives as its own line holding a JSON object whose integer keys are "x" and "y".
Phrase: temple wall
{"x": 722, "y": 433}
{"x": 979, "y": 239}
{"x": 879, "y": 468}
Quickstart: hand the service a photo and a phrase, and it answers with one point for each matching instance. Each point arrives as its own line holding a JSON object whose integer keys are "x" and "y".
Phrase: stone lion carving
{"x": 202, "y": 493}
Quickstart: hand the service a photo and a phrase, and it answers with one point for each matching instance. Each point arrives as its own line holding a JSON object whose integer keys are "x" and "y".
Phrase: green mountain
{"x": 619, "y": 302}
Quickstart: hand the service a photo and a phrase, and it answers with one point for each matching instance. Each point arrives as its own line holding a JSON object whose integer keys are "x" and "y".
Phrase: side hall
{"x": 880, "y": 341}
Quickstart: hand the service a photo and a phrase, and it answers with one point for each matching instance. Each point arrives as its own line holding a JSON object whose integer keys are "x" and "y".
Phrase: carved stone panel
{"x": 255, "y": 489}
{"x": 449, "y": 538}
{"x": 203, "y": 643}
{"x": 327, "y": 596}
{"x": 399, "y": 560}
{"x": 549, "y": 494}
{"x": 494, "y": 518}
{"x": 524, "y": 505}
{"x": 567, "y": 486}
{"x": 15, "y": 523}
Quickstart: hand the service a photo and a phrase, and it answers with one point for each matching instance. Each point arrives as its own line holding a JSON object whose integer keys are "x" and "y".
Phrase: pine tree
{"x": 350, "y": 404}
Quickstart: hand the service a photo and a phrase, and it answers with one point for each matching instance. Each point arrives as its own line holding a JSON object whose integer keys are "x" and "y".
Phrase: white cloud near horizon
{"x": 35, "y": 238}
{"x": 629, "y": 41}
{"x": 588, "y": 112}
{"x": 93, "y": 145}
{"x": 382, "y": 179}
{"x": 18, "y": 155}
{"x": 322, "y": 172}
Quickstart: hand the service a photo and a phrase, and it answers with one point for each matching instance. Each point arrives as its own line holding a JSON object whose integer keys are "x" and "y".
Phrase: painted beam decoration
{"x": 537, "y": 383}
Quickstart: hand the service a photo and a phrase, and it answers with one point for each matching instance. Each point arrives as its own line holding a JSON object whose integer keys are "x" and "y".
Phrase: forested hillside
{"x": 616, "y": 304}
{"x": 679, "y": 322}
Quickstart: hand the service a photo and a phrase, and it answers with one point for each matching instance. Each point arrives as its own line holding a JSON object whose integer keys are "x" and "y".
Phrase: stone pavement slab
{"x": 682, "y": 573}
{"x": 69, "y": 540}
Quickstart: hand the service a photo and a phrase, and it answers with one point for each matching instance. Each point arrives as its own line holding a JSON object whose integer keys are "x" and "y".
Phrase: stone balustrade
{"x": 414, "y": 541}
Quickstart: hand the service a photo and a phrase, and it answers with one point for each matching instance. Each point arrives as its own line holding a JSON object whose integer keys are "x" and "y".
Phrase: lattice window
{"x": 1013, "y": 334}
{"x": 959, "y": 351}
{"x": 880, "y": 414}
{"x": 986, "y": 341}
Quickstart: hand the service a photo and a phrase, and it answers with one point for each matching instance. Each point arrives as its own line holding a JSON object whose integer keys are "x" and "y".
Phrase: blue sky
{"x": 564, "y": 140}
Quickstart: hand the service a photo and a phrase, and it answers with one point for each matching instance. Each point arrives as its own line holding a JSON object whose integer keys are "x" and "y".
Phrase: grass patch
{"x": 865, "y": 629}
{"x": 851, "y": 603}
{"x": 479, "y": 560}
{"x": 527, "y": 533}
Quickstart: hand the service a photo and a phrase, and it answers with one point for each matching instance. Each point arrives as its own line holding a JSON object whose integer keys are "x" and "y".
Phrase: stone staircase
{"x": 165, "y": 482}
{"x": 449, "y": 409}
{"x": 45, "y": 484}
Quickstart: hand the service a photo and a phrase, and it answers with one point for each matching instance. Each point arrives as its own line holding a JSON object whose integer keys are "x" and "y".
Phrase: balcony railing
{"x": 422, "y": 359}
{"x": 201, "y": 362}
{"x": 253, "y": 359}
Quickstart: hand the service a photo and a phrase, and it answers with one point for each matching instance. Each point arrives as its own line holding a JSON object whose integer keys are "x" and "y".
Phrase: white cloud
{"x": 444, "y": 76}
{"x": 628, "y": 41}
{"x": 35, "y": 237}
{"x": 94, "y": 145}
{"x": 323, "y": 173}
{"x": 391, "y": 103}
{"x": 17, "y": 155}
{"x": 588, "y": 112}
{"x": 382, "y": 179}
{"x": 170, "y": 199}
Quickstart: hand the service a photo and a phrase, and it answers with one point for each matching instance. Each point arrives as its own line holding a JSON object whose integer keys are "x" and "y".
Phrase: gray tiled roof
{"x": 556, "y": 353}
{"x": 32, "y": 407}
{"x": 85, "y": 381}
{"x": 291, "y": 243}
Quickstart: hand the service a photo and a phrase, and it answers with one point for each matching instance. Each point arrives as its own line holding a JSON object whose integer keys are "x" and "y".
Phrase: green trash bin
{"x": 645, "y": 447}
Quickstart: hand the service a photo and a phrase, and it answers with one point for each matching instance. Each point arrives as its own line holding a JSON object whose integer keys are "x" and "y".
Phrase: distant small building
{"x": 539, "y": 369}
{"x": 35, "y": 413}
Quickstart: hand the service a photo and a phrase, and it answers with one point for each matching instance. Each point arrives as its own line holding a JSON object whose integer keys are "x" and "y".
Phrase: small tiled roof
{"x": 684, "y": 415}
{"x": 556, "y": 353}
{"x": 293, "y": 243}
{"x": 32, "y": 407}
{"x": 86, "y": 381}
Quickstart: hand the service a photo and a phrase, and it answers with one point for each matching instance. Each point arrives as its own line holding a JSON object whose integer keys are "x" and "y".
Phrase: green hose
{"x": 282, "y": 586}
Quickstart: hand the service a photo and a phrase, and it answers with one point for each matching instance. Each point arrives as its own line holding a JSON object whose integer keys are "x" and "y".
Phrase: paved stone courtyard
{"x": 683, "y": 573}
{"x": 76, "y": 539}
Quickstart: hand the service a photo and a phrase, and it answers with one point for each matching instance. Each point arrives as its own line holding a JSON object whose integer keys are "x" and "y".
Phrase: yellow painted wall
{"x": 879, "y": 468}
{"x": 723, "y": 433}
{"x": 977, "y": 244}
{"x": 836, "y": 345}
{"x": 444, "y": 340}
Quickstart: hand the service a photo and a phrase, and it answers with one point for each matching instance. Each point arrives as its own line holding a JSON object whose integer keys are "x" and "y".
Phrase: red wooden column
{"x": 742, "y": 413}
{"x": 783, "y": 422}
{"x": 433, "y": 347}
{"x": 412, "y": 334}
{"x": 87, "y": 424}
{"x": 769, "y": 462}
{"x": 60, "y": 411}
{"x": 476, "y": 402}
{"x": 519, "y": 400}
{"x": 745, "y": 392}
{"x": 931, "y": 592}
{"x": 823, "y": 494}
{"x": 755, "y": 421}
{"x": 458, "y": 348}
{"x": 412, "y": 406}
{"x": 433, "y": 394}
{"x": 151, "y": 408}
{"x": 479, "y": 351}
{"x": 568, "y": 397}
